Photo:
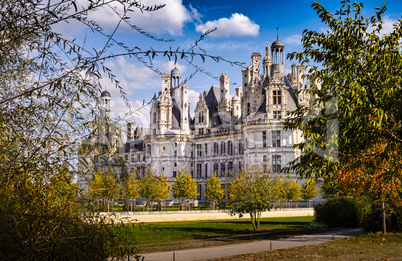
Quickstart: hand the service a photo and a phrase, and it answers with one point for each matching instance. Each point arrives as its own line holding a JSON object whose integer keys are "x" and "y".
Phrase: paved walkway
{"x": 251, "y": 247}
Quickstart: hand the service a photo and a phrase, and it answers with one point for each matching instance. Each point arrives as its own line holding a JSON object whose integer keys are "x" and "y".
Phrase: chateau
{"x": 226, "y": 133}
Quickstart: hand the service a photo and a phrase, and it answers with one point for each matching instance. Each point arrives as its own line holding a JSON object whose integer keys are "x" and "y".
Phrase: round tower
{"x": 278, "y": 58}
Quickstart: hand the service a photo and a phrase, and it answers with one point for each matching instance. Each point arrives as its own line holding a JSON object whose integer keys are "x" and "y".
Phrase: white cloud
{"x": 193, "y": 98}
{"x": 388, "y": 25}
{"x": 195, "y": 14}
{"x": 133, "y": 73}
{"x": 170, "y": 19}
{"x": 292, "y": 40}
{"x": 236, "y": 25}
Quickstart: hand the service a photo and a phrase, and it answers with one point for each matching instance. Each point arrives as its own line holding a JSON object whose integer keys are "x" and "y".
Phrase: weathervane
{"x": 277, "y": 33}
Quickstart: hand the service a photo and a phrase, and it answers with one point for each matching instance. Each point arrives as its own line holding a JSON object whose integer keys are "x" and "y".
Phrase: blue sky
{"x": 243, "y": 27}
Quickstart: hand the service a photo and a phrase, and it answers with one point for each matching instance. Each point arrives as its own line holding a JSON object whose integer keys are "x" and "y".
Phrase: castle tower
{"x": 278, "y": 58}
{"x": 267, "y": 62}
{"x": 224, "y": 88}
{"x": 165, "y": 83}
{"x": 256, "y": 59}
{"x": 175, "y": 78}
{"x": 130, "y": 131}
{"x": 105, "y": 106}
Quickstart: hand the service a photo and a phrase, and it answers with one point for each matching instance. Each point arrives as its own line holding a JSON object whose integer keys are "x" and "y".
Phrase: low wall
{"x": 174, "y": 216}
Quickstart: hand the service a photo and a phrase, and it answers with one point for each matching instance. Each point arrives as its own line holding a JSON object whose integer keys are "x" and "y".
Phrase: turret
{"x": 267, "y": 62}
{"x": 278, "y": 58}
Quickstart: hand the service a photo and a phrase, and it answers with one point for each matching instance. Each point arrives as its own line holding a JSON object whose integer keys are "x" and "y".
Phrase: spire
{"x": 277, "y": 33}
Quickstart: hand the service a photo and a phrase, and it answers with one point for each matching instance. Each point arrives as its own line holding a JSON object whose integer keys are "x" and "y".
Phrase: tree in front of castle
{"x": 185, "y": 187}
{"x": 214, "y": 190}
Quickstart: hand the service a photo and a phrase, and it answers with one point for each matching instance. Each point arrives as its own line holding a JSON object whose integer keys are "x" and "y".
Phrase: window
{"x": 206, "y": 170}
{"x": 175, "y": 144}
{"x": 192, "y": 154}
{"x": 199, "y": 150}
{"x": 216, "y": 148}
{"x": 223, "y": 171}
{"x": 276, "y": 163}
{"x": 174, "y": 174}
{"x": 240, "y": 147}
{"x": 277, "y": 115}
{"x": 265, "y": 162}
{"x": 216, "y": 168}
{"x": 206, "y": 149}
{"x": 138, "y": 157}
{"x": 201, "y": 131}
{"x": 230, "y": 147}
{"x": 198, "y": 170}
{"x": 175, "y": 153}
{"x": 201, "y": 117}
{"x": 240, "y": 166}
{"x": 276, "y": 138}
{"x": 223, "y": 148}
{"x": 264, "y": 139}
{"x": 175, "y": 164}
{"x": 132, "y": 158}
{"x": 276, "y": 96}
{"x": 230, "y": 167}
{"x": 126, "y": 157}
{"x": 154, "y": 117}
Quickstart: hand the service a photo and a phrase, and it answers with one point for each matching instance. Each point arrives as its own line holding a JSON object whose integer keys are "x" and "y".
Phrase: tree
{"x": 185, "y": 187}
{"x": 290, "y": 189}
{"x": 354, "y": 121}
{"x": 105, "y": 186}
{"x": 214, "y": 190}
{"x": 153, "y": 187}
{"x": 132, "y": 188}
{"x": 250, "y": 191}
{"x": 309, "y": 190}
{"x": 50, "y": 83}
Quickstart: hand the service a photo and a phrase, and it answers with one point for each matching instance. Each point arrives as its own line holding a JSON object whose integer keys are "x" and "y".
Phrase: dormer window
{"x": 276, "y": 97}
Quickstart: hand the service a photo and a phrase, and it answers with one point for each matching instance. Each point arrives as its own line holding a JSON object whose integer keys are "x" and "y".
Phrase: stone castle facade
{"x": 226, "y": 133}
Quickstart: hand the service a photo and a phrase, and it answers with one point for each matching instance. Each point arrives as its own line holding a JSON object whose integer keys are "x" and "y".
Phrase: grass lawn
{"x": 362, "y": 247}
{"x": 179, "y": 235}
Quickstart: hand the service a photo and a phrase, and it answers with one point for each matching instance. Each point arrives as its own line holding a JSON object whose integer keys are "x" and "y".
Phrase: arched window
{"x": 223, "y": 148}
{"x": 216, "y": 168}
{"x": 230, "y": 147}
{"x": 216, "y": 148}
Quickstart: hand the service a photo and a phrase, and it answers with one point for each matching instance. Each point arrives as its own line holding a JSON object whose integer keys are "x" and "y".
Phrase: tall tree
{"x": 251, "y": 192}
{"x": 355, "y": 120}
{"x": 153, "y": 187}
{"x": 131, "y": 188}
{"x": 309, "y": 190}
{"x": 290, "y": 189}
{"x": 185, "y": 187}
{"x": 105, "y": 186}
{"x": 214, "y": 190}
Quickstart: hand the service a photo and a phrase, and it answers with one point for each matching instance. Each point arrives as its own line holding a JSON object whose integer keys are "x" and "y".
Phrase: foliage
{"x": 309, "y": 190}
{"x": 49, "y": 86}
{"x": 290, "y": 189}
{"x": 154, "y": 187}
{"x": 214, "y": 190}
{"x": 105, "y": 185}
{"x": 372, "y": 218}
{"x": 352, "y": 129}
{"x": 185, "y": 187}
{"x": 250, "y": 191}
{"x": 341, "y": 211}
{"x": 131, "y": 187}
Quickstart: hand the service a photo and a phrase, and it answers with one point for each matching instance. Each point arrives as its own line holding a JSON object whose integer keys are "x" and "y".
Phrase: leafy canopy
{"x": 356, "y": 115}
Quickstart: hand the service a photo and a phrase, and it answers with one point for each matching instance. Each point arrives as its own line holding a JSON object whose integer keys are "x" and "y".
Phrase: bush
{"x": 341, "y": 211}
{"x": 372, "y": 218}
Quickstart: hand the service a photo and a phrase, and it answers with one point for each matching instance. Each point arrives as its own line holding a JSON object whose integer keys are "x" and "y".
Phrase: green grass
{"x": 362, "y": 247}
{"x": 170, "y": 235}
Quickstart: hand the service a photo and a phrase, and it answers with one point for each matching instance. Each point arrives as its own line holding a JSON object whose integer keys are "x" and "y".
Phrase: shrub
{"x": 372, "y": 218}
{"x": 341, "y": 211}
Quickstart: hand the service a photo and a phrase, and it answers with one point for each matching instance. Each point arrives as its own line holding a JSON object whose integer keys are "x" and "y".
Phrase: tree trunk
{"x": 384, "y": 220}
{"x": 253, "y": 219}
